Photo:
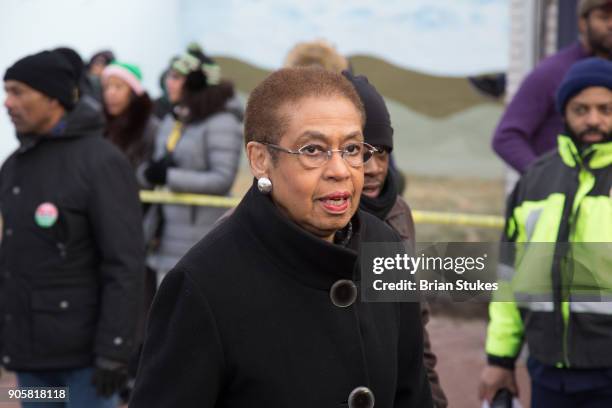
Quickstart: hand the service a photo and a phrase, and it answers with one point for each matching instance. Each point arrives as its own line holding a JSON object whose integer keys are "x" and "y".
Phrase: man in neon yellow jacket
{"x": 556, "y": 262}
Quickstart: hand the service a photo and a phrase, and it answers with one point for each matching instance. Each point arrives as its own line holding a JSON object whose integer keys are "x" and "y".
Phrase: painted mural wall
{"x": 417, "y": 52}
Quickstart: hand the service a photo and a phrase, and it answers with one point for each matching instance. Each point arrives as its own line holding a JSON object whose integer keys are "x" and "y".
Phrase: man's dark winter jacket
{"x": 246, "y": 320}
{"x": 71, "y": 290}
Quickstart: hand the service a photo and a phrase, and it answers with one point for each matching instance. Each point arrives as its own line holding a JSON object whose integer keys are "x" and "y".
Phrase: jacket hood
{"x": 235, "y": 107}
{"x": 85, "y": 119}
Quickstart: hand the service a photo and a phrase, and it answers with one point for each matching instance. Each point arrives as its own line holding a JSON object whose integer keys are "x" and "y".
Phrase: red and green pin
{"x": 46, "y": 215}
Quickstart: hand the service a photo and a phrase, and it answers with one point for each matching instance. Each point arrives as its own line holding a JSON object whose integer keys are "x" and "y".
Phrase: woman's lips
{"x": 336, "y": 203}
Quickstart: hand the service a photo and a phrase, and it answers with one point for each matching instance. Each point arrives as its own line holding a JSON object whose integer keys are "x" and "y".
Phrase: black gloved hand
{"x": 157, "y": 172}
{"x": 109, "y": 377}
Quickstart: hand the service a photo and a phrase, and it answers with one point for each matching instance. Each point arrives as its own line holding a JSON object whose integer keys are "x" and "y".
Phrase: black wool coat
{"x": 246, "y": 320}
{"x": 70, "y": 290}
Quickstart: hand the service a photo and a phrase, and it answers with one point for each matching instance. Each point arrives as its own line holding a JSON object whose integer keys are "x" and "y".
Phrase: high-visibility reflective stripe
{"x": 505, "y": 272}
{"x": 575, "y": 307}
{"x": 531, "y": 221}
{"x": 537, "y": 306}
{"x": 592, "y": 307}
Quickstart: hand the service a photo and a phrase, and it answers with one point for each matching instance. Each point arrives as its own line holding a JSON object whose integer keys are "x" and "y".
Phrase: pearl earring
{"x": 264, "y": 185}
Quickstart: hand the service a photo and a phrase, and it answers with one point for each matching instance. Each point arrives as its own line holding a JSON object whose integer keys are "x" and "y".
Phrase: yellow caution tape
{"x": 468, "y": 220}
{"x": 168, "y": 197}
{"x": 422, "y": 217}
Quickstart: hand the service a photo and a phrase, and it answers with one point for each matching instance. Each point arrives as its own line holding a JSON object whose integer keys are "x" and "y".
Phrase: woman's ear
{"x": 259, "y": 159}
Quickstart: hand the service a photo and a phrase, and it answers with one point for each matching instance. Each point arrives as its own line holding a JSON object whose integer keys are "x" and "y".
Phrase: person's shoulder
{"x": 543, "y": 164}
{"x": 178, "y": 285}
{"x": 537, "y": 179}
{"x": 400, "y": 207}
{"x": 165, "y": 124}
{"x": 223, "y": 119}
{"x": 167, "y": 119}
{"x": 153, "y": 122}
{"x": 400, "y": 219}
{"x": 100, "y": 158}
{"x": 99, "y": 149}
{"x": 10, "y": 158}
{"x": 223, "y": 129}
{"x": 151, "y": 128}
{"x": 375, "y": 230}
{"x": 218, "y": 254}
{"x": 555, "y": 65}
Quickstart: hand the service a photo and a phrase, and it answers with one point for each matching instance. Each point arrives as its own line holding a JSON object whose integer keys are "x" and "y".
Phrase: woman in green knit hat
{"x": 197, "y": 150}
{"x": 131, "y": 125}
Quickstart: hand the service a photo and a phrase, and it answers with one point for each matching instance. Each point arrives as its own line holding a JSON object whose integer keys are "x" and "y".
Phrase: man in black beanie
{"x": 381, "y": 198}
{"x": 72, "y": 252}
{"x": 46, "y": 87}
{"x": 84, "y": 85}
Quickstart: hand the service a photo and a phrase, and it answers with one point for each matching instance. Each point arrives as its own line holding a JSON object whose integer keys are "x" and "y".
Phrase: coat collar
{"x": 86, "y": 119}
{"x": 597, "y": 156}
{"x": 305, "y": 257}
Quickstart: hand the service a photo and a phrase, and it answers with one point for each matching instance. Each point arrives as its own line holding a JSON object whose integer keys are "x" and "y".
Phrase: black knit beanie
{"x": 49, "y": 73}
{"x": 73, "y": 58}
{"x": 377, "y": 130}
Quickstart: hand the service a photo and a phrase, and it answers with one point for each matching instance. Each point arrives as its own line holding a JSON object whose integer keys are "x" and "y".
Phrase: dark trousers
{"x": 542, "y": 397}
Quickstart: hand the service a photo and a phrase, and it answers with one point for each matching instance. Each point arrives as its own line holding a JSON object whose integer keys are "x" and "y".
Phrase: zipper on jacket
{"x": 565, "y": 304}
{"x": 565, "y": 313}
{"x": 563, "y": 237}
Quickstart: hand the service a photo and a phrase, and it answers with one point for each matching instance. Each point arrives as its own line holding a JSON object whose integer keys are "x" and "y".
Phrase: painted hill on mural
{"x": 433, "y": 96}
{"x": 442, "y": 125}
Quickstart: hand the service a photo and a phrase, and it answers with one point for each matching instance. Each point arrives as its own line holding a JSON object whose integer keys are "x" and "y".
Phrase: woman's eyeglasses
{"x": 313, "y": 155}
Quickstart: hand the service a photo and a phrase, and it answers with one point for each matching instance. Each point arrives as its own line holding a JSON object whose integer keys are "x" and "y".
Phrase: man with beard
{"x": 380, "y": 197}
{"x": 530, "y": 123}
{"x": 565, "y": 200}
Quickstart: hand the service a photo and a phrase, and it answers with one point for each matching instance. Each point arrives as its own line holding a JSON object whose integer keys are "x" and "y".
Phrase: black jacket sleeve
{"x": 116, "y": 220}
{"x": 182, "y": 363}
{"x": 413, "y": 386}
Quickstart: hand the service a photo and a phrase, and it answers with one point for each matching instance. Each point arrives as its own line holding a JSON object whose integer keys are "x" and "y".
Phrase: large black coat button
{"x": 343, "y": 293}
{"x": 361, "y": 397}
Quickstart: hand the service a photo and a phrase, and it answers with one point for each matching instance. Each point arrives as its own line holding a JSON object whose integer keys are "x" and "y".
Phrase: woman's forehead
{"x": 327, "y": 119}
{"x": 312, "y": 102}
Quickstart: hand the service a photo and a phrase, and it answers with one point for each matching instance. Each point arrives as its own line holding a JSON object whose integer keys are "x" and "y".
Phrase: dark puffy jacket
{"x": 69, "y": 291}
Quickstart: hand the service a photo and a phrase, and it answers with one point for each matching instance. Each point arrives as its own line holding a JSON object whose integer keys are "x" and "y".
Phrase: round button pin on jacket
{"x": 46, "y": 215}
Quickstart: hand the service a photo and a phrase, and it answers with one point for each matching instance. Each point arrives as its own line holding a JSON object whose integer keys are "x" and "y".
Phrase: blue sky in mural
{"x": 452, "y": 37}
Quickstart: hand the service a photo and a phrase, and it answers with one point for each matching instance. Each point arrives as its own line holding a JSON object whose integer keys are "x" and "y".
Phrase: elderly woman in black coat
{"x": 265, "y": 311}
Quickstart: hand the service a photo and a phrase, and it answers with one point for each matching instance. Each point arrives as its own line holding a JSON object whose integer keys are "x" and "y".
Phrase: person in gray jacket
{"x": 197, "y": 150}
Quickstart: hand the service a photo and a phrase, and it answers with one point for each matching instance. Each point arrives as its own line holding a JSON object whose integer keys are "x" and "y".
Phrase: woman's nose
{"x": 337, "y": 167}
